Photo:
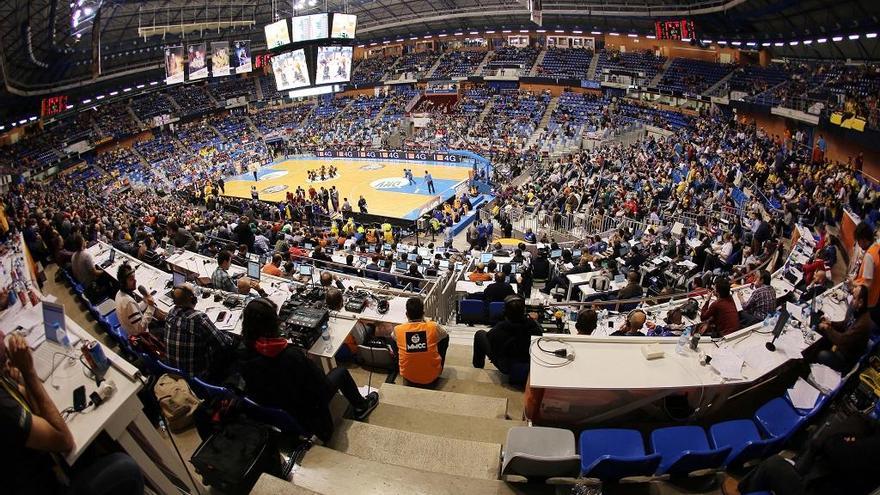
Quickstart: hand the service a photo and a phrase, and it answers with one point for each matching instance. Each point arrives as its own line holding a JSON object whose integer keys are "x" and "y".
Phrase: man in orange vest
{"x": 869, "y": 271}
{"x": 421, "y": 346}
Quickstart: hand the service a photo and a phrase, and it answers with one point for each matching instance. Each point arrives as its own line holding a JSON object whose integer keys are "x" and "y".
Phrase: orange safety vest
{"x": 874, "y": 286}
{"x": 417, "y": 350}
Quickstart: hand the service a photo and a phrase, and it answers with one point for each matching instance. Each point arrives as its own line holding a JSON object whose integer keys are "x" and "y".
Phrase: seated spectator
{"x": 278, "y": 375}
{"x": 95, "y": 282}
{"x": 193, "y": 344}
{"x": 479, "y": 274}
{"x": 761, "y": 303}
{"x": 274, "y": 267}
{"x": 220, "y": 279}
{"x": 35, "y": 434}
{"x": 632, "y": 289}
{"x": 587, "y": 321}
{"x": 180, "y": 237}
{"x": 507, "y": 343}
{"x": 498, "y": 290}
{"x": 719, "y": 317}
{"x": 817, "y": 286}
{"x": 132, "y": 318}
{"x": 849, "y": 338}
{"x": 633, "y": 325}
{"x": 421, "y": 346}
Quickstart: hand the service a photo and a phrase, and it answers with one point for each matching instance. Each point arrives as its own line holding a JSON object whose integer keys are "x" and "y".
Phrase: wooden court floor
{"x": 380, "y": 182}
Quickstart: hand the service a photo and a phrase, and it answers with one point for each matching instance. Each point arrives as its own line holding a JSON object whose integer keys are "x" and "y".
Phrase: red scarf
{"x": 270, "y": 347}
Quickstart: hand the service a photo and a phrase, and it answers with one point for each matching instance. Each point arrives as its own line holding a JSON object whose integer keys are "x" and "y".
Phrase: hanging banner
{"x": 174, "y": 65}
{"x": 241, "y": 56}
{"x": 198, "y": 61}
{"x": 219, "y": 58}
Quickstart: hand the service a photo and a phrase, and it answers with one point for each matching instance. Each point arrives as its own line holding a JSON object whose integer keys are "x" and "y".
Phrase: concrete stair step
{"x": 442, "y": 425}
{"x": 418, "y": 451}
{"x": 270, "y": 485}
{"x": 465, "y": 373}
{"x": 485, "y": 391}
{"x": 330, "y": 472}
{"x": 447, "y": 402}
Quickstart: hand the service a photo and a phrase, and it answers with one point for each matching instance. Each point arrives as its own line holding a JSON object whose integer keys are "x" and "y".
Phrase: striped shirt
{"x": 192, "y": 341}
{"x": 132, "y": 319}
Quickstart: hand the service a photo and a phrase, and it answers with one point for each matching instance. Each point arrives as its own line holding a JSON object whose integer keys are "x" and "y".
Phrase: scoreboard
{"x": 53, "y": 106}
{"x": 675, "y": 30}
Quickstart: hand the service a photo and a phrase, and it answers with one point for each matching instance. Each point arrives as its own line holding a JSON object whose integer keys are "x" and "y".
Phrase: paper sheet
{"x": 824, "y": 377}
{"x": 760, "y": 359}
{"x": 803, "y": 395}
{"x": 365, "y": 390}
{"x": 727, "y": 364}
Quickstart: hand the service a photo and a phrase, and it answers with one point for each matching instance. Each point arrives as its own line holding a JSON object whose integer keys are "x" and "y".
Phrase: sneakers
{"x": 372, "y": 401}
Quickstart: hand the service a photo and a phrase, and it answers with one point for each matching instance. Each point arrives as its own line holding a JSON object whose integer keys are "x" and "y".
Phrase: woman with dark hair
{"x": 277, "y": 375}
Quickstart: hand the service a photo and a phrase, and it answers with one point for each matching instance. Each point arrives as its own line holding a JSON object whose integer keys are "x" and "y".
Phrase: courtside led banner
{"x": 420, "y": 156}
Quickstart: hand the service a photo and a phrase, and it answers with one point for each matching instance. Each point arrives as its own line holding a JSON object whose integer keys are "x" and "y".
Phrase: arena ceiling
{"x": 40, "y": 54}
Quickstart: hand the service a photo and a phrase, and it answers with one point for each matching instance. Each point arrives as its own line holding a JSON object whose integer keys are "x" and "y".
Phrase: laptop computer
{"x": 253, "y": 270}
{"x": 109, "y": 261}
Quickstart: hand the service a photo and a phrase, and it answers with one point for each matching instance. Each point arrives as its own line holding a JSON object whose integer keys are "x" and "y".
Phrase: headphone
{"x": 382, "y": 306}
{"x": 631, "y": 313}
{"x": 179, "y": 295}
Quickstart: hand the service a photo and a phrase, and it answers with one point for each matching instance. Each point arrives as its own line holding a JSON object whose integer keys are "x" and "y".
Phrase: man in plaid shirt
{"x": 761, "y": 303}
{"x": 193, "y": 343}
{"x": 220, "y": 279}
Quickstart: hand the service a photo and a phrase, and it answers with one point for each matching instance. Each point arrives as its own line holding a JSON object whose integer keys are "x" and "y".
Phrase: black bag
{"x": 234, "y": 458}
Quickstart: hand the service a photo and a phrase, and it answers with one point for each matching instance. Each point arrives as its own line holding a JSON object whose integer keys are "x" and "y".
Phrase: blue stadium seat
{"x": 496, "y": 311}
{"x": 744, "y": 439}
{"x": 686, "y": 449}
{"x": 778, "y": 419}
{"x": 471, "y": 311}
{"x": 612, "y": 454}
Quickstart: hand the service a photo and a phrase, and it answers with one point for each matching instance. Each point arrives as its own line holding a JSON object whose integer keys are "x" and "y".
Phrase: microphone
{"x": 143, "y": 291}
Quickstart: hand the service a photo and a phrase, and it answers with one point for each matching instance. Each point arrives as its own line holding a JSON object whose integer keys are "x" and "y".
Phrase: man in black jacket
{"x": 497, "y": 290}
{"x": 277, "y": 375}
{"x": 507, "y": 343}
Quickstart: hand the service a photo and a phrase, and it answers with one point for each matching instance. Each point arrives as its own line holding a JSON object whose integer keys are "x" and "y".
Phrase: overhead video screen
{"x": 290, "y": 70}
{"x": 309, "y": 27}
{"x": 334, "y": 64}
{"x": 674, "y": 30}
{"x": 277, "y": 34}
{"x": 344, "y": 26}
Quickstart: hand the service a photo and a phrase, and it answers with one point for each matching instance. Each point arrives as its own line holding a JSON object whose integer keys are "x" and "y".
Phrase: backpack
{"x": 177, "y": 401}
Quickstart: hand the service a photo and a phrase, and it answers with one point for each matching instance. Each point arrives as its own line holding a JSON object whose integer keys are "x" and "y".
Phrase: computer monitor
{"x": 308, "y": 245}
{"x": 305, "y": 270}
{"x": 439, "y": 250}
{"x": 619, "y": 278}
{"x": 412, "y": 257}
{"x": 444, "y": 264}
{"x": 424, "y": 252}
{"x": 54, "y": 314}
{"x": 253, "y": 269}
{"x": 458, "y": 266}
{"x": 514, "y": 267}
{"x": 556, "y": 253}
{"x": 784, "y": 315}
{"x": 112, "y": 256}
{"x": 402, "y": 248}
{"x": 371, "y": 249}
{"x": 402, "y": 266}
{"x": 485, "y": 257}
{"x": 177, "y": 278}
{"x": 386, "y": 247}
{"x": 253, "y": 257}
{"x": 577, "y": 253}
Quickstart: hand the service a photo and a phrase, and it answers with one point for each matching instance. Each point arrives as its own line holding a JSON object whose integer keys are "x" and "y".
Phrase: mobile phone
{"x": 79, "y": 398}
{"x": 221, "y": 316}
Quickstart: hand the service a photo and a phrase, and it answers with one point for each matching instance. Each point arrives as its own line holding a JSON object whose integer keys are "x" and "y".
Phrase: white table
{"x": 468, "y": 287}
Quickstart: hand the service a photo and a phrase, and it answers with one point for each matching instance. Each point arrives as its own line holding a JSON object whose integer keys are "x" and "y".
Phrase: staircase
{"x": 657, "y": 77}
{"x": 433, "y": 68}
{"x": 542, "y": 125}
{"x": 538, "y": 61}
{"x": 484, "y": 113}
{"x": 173, "y": 102}
{"x": 134, "y": 117}
{"x": 444, "y": 441}
{"x": 259, "y": 88}
{"x": 721, "y": 82}
{"x": 591, "y": 70}
{"x": 479, "y": 69}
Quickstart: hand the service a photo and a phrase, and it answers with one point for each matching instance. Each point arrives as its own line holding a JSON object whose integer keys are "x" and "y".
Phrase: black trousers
{"x": 482, "y": 349}
{"x": 340, "y": 380}
{"x": 773, "y": 474}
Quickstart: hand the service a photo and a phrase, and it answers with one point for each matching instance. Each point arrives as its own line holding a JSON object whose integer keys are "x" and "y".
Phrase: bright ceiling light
{"x": 822, "y": 40}
{"x": 853, "y": 36}
{"x": 766, "y": 43}
{"x": 871, "y": 36}
{"x": 808, "y": 42}
{"x": 793, "y": 43}
{"x": 837, "y": 38}
{"x": 751, "y": 43}
{"x": 778, "y": 43}
{"x": 736, "y": 43}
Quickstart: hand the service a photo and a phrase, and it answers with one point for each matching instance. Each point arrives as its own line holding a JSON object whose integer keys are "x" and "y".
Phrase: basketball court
{"x": 380, "y": 182}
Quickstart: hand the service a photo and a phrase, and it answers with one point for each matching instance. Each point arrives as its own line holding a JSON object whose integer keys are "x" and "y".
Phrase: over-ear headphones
{"x": 382, "y": 306}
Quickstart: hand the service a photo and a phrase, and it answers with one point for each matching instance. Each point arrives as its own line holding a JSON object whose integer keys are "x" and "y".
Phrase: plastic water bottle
{"x": 325, "y": 336}
{"x": 683, "y": 339}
